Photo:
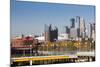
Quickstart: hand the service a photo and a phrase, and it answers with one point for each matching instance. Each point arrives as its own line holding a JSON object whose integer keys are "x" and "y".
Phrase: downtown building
{"x": 77, "y": 28}
{"x": 51, "y": 34}
{"x": 73, "y": 29}
{"x": 91, "y": 31}
{"x": 67, "y": 32}
{"x": 81, "y": 27}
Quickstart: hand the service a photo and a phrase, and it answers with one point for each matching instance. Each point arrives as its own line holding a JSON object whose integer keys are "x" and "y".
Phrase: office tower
{"x": 89, "y": 30}
{"x": 78, "y": 21}
{"x": 80, "y": 25}
{"x": 73, "y": 28}
{"x": 93, "y": 26}
{"x": 46, "y": 33}
{"x": 93, "y": 31}
{"x": 82, "y": 28}
{"x": 73, "y": 33}
{"x": 51, "y": 34}
{"x": 72, "y": 22}
{"x": 67, "y": 30}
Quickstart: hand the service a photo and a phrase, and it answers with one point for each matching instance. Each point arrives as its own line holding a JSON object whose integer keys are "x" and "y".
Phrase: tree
{"x": 71, "y": 46}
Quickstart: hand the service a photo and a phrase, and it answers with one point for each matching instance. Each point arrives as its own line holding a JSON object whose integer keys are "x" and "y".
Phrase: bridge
{"x": 78, "y": 57}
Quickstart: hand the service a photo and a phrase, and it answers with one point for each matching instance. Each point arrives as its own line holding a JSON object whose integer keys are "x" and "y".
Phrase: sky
{"x": 29, "y": 17}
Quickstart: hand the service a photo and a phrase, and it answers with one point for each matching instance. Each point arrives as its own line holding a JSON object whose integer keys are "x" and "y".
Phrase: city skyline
{"x": 30, "y": 17}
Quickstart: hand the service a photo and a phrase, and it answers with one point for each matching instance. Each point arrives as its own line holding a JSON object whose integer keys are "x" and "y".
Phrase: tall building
{"x": 73, "y": 29}
{"x": 73, "y": 33}
{"x": 89, "y": 30}
{"x": 51, "y": 34}
{"x": 46, "y": 34}
{"x": 93, "y": 31}
{"x": 81, "y": 29}
{"x": 72, "y": 22}
{"x": 67, "y": 30}
{"x": 94, "y": 26}
{"x": 78, "y": 21}
{"x": 78, "y": 25}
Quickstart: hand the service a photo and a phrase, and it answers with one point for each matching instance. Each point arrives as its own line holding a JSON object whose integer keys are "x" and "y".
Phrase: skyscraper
{"x": 73, "y": 33}
{"x": 78, "y": 25}
{"x": 73, "y": 29}
{"x": 93, "y": 31}
{"x": 78, "y": 21}
{"x": 81, "y": 29}
{"x": 89, "y": 30}
{"x": 46, "y": 34}
{"x": 51, "y": 34}
{"x": 72, "y": 22}
{"x": 67, "y": 30}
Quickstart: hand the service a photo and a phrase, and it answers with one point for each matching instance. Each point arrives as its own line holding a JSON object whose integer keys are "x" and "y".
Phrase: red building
{"x": 22, "y": 45}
